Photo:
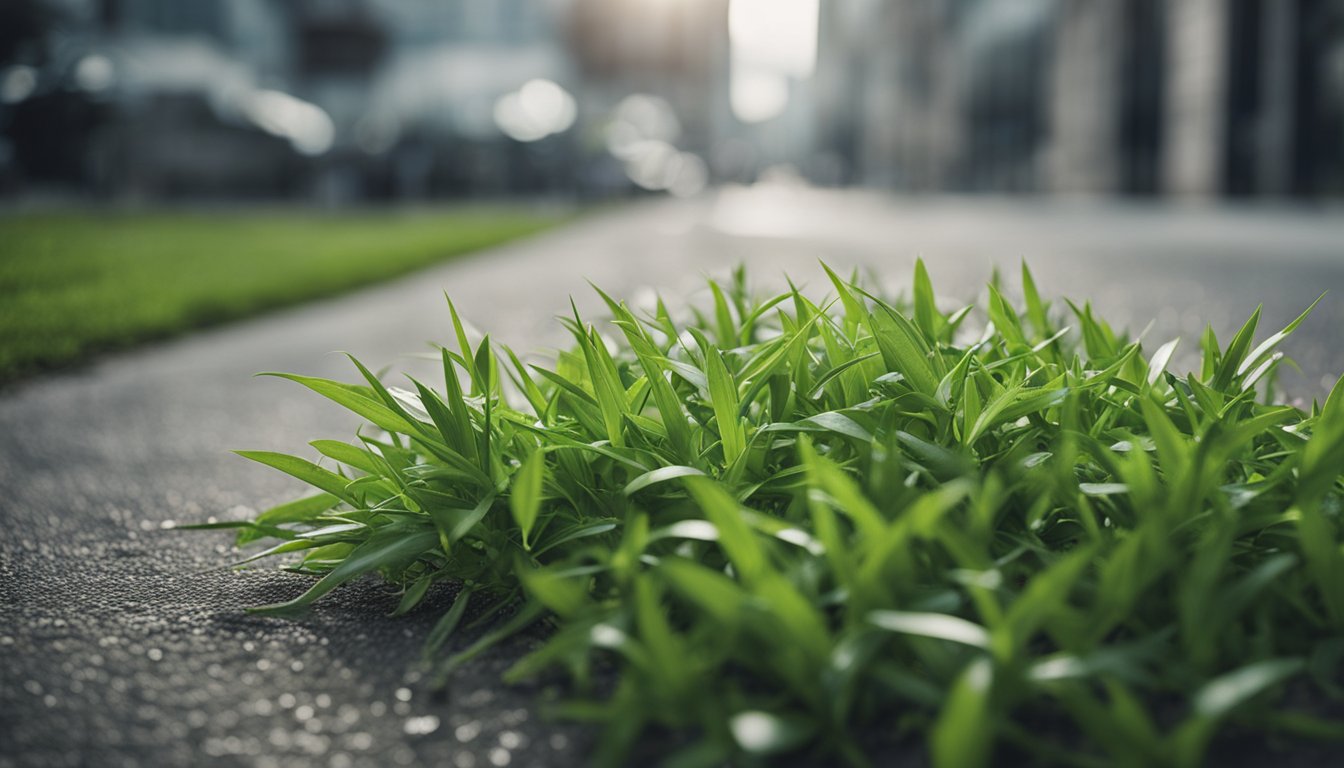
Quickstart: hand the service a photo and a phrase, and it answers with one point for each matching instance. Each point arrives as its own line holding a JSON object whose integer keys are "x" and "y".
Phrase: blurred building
{"x": 1194, "y": 98}
{"x": 652, "y": 87}
{"x": 344, "y": 100}
{"x": 338, "y": 99}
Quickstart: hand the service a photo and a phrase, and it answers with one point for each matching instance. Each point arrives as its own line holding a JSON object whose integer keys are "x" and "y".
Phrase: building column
{"x": 1193, "y": 140}
{"x": 1274, "y": 148}
{"x": 1083, "y": 150}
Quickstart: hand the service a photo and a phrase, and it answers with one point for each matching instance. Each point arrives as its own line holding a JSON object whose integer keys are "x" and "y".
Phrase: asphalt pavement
{"x": 124, "y": 642}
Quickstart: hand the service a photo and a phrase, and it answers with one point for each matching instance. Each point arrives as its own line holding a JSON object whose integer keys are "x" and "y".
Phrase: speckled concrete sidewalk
{"x": 122, "y": 643}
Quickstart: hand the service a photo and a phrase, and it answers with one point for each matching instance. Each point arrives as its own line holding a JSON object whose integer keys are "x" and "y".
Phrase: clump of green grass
{"x": 74, "y": 284}
{"x": 790, "y": 523}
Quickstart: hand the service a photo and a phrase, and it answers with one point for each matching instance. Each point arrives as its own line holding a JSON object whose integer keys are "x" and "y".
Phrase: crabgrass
{"x": 786, "y": 524}
{"x": 75, "y": 284}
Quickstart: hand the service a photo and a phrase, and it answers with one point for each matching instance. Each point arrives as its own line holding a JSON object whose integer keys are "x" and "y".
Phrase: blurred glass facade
{"x": 365, "y": 100}
{"x": 1183, "y": 97}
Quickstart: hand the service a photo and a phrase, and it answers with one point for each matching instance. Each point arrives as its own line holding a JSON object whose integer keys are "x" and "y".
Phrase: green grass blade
{"x": 525, "y": 494}
{"x": 963, "y": 734}
{"x": 383, "y": 552}
{"x": 723, "y": 395}
{"x": 308, "y": 472}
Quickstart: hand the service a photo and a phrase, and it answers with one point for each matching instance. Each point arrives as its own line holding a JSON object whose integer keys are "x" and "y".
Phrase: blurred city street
{"x": 125, "y": 643}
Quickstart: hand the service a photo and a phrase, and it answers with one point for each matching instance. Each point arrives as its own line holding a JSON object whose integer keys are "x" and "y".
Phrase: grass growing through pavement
{"x": 74, "y": 284}
{"x": 788, "y": 524}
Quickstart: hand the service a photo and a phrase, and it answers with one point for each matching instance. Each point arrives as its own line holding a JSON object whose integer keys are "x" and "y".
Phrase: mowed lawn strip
{"x": 73, "y": 284}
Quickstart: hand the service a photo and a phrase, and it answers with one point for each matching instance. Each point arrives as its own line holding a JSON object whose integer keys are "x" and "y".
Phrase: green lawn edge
{"x": 75, "y": 285}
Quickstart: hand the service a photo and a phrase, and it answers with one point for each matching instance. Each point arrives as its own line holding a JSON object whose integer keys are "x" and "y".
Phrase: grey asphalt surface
{"x": 123, "y": 643}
